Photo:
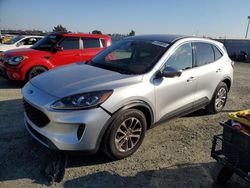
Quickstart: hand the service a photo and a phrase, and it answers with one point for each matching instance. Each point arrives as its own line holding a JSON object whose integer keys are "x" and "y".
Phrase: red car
{"x": 54, "y": 50}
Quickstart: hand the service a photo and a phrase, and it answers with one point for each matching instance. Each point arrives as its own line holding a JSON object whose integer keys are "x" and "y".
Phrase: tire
{"x": 220, "y": 173}
{"x": 35, "y": 71}
{"x": 219, "y": 99}
{"x": 125, "y": 134}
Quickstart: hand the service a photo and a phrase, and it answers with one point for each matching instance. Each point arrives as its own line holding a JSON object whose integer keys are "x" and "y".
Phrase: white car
{"x": 20, "y": 42}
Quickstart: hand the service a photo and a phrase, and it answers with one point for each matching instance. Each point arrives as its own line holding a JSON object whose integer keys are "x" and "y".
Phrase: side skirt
{"x": 184, "y": 110}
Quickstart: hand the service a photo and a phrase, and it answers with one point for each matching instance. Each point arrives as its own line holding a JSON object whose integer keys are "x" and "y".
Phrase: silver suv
{"x": 111, "y": 101}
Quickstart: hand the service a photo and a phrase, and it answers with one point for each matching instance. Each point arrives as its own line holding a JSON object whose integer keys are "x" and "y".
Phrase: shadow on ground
{"x": 9, "y": 84}
{"x": 184, "y": 175}
{"x": 23, "y": 158}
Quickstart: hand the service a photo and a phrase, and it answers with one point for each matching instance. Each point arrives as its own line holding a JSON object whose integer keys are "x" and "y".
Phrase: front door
{"x": 71, "y": 52}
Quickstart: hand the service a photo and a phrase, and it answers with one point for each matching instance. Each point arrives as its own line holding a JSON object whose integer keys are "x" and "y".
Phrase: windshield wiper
{"x": 111, "y": 68}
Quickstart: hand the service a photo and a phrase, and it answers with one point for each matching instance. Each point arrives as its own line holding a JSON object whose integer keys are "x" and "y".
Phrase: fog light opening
{"x": 80, "y": 131}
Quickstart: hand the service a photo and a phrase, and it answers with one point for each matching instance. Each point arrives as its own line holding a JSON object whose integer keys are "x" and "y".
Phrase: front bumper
{"x": 67, "y": 130}
{"x": 14, "y": 73}
{"x": 11, "y": 72}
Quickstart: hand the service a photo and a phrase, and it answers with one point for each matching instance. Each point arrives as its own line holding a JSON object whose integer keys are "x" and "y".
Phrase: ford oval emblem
{"x": 30, "y": 91}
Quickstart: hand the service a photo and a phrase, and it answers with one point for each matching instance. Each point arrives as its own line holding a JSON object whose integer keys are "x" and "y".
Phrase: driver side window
{"x": 182, "y": 58}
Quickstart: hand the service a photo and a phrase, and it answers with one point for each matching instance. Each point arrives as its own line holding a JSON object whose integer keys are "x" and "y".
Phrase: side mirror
{"x": 58, "y": 48}
{"x": 170, "y": 72}
{"x": 18, "y": 44}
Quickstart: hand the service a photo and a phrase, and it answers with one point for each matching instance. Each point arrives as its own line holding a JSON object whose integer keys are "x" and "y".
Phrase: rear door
{"x": 71, "y": 52}
{"x": 91, "y": 46}
{"x": 175, "y": 96}
{"x": 209, "y": 67}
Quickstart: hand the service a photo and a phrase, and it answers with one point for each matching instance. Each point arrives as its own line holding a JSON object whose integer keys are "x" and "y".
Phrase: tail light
{"x": 232, "y": 64}
{"x": 108, "y": 43}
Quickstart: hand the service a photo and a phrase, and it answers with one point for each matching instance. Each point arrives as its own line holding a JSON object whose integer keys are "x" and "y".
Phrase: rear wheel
{"x": 219, "y": 99}
{"x": 125, "y": 134}
{"x": 35, "y": 71}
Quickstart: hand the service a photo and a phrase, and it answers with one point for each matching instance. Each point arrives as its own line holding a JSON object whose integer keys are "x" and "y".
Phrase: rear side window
{"x": 70, "y": 43}
{"x": 182, "y": 58}
{"x": 217, "y": 53}
{"x": 204, "y": 53}
{"x": 91, "y": 43}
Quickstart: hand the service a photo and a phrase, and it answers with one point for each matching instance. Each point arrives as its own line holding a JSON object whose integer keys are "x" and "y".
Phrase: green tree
{"x": 96, "y": 32}
{"x": 59, "y": 28}
{"x": 132, "y": 33}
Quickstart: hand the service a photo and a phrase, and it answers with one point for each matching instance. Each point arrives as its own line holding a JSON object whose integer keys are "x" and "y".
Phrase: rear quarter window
{"x": 103, "y": 42}
{"x": 217, "y": 53}
{"x": 91, "y": 43}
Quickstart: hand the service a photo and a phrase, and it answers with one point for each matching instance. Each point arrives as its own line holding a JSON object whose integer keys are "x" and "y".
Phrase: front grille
{"x": 36, "y": 116}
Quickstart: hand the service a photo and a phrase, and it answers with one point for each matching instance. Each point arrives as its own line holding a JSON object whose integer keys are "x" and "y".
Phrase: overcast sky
{"x": 213, "y": 18}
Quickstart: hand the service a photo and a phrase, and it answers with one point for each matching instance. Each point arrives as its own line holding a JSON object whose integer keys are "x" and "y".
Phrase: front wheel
{"x": 35, "y": 71}
{"x": 219, "y": 99}
{"x": 220, "y": 173}
{"x": 125, "y": 134}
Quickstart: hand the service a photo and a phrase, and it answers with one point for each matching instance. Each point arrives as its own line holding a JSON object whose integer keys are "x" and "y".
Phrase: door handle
{"x": 218, "y": 70}
{"x": 191, "y": 79}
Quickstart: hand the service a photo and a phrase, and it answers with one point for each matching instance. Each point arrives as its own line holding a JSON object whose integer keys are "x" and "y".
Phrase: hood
{"x": 25, "y": 51}
{"x": 80, "y": 78}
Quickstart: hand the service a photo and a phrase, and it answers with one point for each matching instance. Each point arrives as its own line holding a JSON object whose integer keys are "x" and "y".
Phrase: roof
{"x": 80, "y": 35}
{"x": 163, "y": 38}
{"x": 31, "y": 36}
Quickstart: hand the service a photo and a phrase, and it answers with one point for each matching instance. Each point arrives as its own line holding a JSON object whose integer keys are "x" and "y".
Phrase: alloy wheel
{"x": 220, "y": 98}
{"x": 128, "y": 134}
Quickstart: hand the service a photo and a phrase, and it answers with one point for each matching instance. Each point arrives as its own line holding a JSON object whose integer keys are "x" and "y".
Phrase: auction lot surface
{"x": 173, "y": 154}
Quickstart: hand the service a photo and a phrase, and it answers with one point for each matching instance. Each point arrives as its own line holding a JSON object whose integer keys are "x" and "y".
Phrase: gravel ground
{"x": 173, "y": 154}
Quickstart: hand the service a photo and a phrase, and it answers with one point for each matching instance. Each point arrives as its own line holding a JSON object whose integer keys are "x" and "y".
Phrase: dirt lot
{"x": 173, "y": 154}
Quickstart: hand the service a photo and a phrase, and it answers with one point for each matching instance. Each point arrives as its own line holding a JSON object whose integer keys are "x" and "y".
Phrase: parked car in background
{"x": 19, "y": 42}
{"x": 111, "y": 101}
{"x": 54, "y": 50}
{"x": 6, "y": 38}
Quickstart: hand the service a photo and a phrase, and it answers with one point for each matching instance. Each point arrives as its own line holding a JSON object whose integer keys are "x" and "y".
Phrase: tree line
{"x": 58, "y": 28}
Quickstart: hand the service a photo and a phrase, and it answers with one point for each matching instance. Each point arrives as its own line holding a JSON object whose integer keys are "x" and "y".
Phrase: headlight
{"x": 16, "y": 60}
{"x": 82, "y": 101}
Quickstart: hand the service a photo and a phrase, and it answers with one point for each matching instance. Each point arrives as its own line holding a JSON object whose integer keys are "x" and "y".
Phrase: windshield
{"x": 47, "y": 43}
{"x": 129, "y": 57}
{"x": 14, "y": 40}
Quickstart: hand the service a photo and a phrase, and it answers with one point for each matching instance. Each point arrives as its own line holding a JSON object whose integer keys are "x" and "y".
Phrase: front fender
{"x": 131, "y": 104}
{"x": 30, "y": 63}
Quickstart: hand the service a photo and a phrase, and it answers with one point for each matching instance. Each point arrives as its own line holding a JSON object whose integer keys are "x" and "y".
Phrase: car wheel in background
{"x": 35, "y": 71}
{"x": 125, "y": 134}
